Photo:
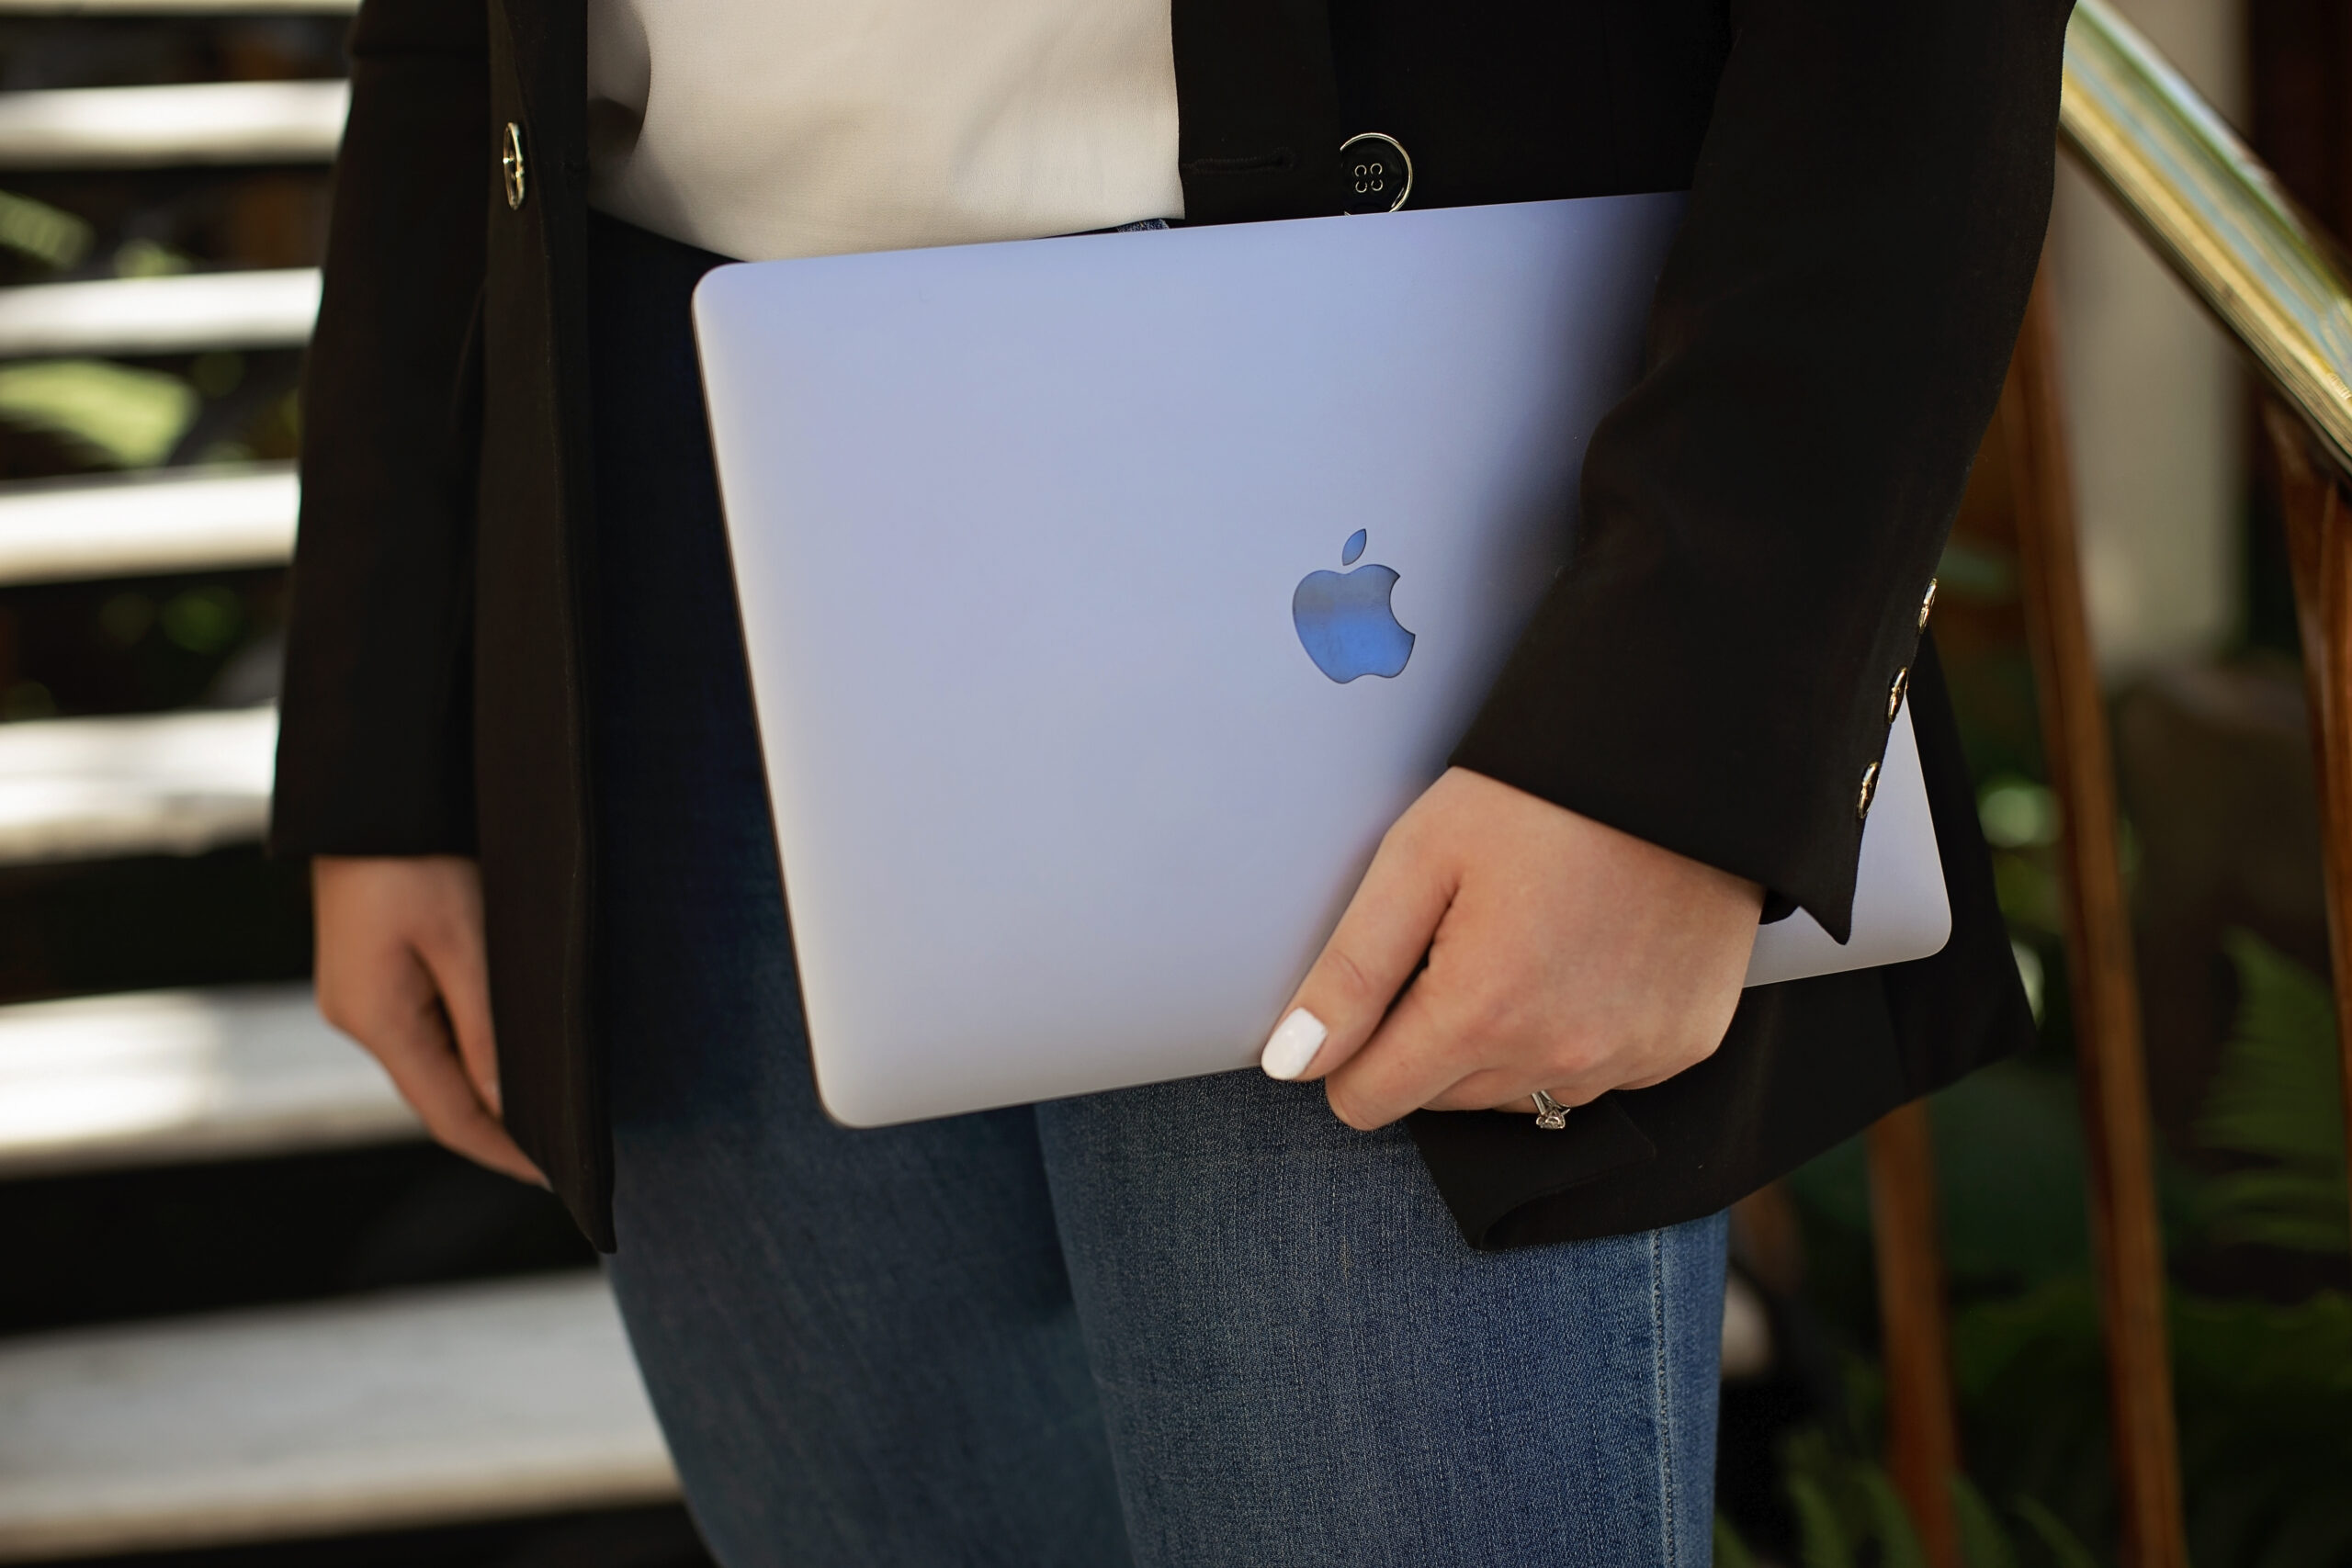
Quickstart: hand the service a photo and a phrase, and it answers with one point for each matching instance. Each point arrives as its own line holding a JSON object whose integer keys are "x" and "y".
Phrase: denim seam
{"x": 1662, "y": 1378}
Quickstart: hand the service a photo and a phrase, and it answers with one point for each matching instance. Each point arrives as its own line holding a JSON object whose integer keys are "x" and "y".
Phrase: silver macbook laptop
{"x": 1107, "y": 597}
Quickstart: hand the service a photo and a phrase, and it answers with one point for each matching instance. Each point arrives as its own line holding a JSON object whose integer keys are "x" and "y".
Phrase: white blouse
{"x": 762, "y": 129}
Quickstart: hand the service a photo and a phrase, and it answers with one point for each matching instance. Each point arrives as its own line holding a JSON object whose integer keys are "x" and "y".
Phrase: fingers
{"x": 1433, "y": 1052}
{"x": 1380, "y": 942}
{"x": 1411, "y": 1059}
{"x": 1562, "y": 954}
{"x": 1455, "y": 1042}
{"x": 460, "y": 974}
{"x": 419, "y": 1055}
{"x": 401, "y": 969}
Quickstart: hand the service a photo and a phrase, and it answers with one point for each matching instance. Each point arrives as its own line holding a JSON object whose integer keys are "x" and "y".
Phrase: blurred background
{"x": 248, "y": 1318}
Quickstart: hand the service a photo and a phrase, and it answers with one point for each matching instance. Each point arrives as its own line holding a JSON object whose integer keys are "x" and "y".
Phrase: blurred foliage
{"x": 2010, "y": 1179}
{"x": 151, "y": 258}
{"x": 274, "y": 432}
{"x": 2017, "y": 813}
{"x": 2055, "y": 1537}
{"x": 203, "y": 620}
{"x": 2278, "y": 1098}
{"x": 1970, "y": 569}
{"x": 218, "y": 373}
{"x": 2021, "y": 824}
{"x": 2032, "y": 974}
{"x": 2264, "y": 1389}
{"x": 113, "y": 413}
{"x": 1850, "y": 1514}
{"x": 142, "y": 644}
{"x": 2265, "y": 1397}
{"x": 125, "y": 618}
{"x": 27, "y": 699}
{"x": 42, "y": 233}
{"x": 2026, "y": 886}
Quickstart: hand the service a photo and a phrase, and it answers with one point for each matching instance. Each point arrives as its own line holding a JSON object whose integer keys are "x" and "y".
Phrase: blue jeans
{"x": 1198, "y": 1324}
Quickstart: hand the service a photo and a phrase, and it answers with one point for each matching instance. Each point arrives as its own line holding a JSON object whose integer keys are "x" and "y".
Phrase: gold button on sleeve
{"x": 1927, "y": 604}
{"x": 1894, "y": 693}
{"x": 510, "y": 163}
{"x": 1870, "y": 788}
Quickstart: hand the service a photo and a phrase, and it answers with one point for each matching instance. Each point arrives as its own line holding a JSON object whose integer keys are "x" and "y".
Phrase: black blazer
{"x": 1870, "y": 185}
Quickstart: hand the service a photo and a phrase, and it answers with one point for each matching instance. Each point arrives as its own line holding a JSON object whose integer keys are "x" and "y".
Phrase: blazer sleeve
{"x": 375, "y": 753}
{"x": 1761, "y": 515}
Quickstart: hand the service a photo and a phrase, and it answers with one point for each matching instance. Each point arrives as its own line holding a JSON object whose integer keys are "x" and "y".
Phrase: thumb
{"x": 1380, "y": 943}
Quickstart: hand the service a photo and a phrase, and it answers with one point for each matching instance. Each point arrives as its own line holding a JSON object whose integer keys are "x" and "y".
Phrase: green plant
{"x": 2263, "y": 1389}
{"x": 1984, "y": 1544}
{"x": 34, "y": 229}
{"x": 1731, "y": 1551}
{"x": 2265, "y": 1397}
{"x": 2008, "y": 1175}
{"x": 203, "y": 620}
{"x": 2266, "y": 1430}
{"x": 114, "y": 413}
{"x": 2064, "y": 1550}
{"x": 1850, "y": 1515}
{"x": 2276, "y": 1099}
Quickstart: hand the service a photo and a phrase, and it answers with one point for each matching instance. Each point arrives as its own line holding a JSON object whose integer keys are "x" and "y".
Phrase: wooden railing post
{"x": 2318, "y": 517}
{"x": 2111, "y": 1074}
{"x": 1922, "y": 1429}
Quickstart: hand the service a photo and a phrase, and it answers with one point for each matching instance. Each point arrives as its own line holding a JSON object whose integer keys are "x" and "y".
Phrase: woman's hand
{"x": 1561, "y": 955}
{"x": 401, "y": 969}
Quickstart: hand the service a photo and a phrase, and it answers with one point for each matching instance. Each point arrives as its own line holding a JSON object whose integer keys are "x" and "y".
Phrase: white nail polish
{"x": 1293, "y": 1045}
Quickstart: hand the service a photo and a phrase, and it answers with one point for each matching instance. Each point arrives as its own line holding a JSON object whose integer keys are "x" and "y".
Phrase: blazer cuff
{"x": 1753, "y": 763}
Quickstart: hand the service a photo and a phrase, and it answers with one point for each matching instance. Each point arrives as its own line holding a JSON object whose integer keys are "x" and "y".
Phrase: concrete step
{"x": 167, "y": 520}
{"x": 156, "y": 1078}
{"x": 161, "y": 315}
{"x": 152, "y": 783}
{"x": 203, "y": 122}
{"x": 421, "y": 1408}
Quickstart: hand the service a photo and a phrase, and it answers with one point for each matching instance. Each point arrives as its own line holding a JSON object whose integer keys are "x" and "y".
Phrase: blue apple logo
{"x": 1345, "y": 622}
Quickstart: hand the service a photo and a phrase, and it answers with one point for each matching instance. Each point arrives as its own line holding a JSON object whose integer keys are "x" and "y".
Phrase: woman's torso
{"x": 764, "y": 128}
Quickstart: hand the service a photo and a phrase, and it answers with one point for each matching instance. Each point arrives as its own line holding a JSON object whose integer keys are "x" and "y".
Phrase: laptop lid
{"x": 1107, "y": 597}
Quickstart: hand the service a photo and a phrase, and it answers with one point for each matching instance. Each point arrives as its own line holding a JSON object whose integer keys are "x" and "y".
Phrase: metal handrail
{"x": 2215, "y": 213}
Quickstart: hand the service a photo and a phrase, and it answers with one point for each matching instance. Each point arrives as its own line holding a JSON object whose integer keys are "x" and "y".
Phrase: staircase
{"x": 246, "y": 1303}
